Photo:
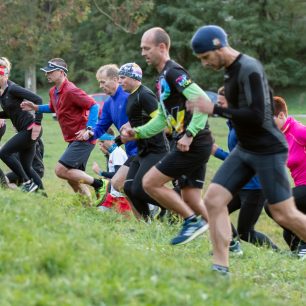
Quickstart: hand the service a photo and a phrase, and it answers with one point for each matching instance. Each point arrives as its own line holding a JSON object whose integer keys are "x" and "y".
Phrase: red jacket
{"x": 71, "y": 105}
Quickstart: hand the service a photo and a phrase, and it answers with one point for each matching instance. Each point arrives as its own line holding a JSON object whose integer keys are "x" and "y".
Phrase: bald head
{"x": 157, "y": 36}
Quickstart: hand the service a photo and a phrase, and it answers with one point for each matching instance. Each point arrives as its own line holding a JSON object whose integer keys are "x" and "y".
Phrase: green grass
{"x": 55, "y": 252}
{"x": 295, "y": 98}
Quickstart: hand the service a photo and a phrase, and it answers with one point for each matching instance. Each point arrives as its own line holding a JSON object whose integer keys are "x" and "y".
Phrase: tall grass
{"x": 53, "y": 251}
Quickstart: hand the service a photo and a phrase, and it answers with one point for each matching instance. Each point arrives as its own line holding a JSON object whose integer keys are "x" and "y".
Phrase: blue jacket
{"x": 114, "y": 112}
{"x": 232, "y": 142}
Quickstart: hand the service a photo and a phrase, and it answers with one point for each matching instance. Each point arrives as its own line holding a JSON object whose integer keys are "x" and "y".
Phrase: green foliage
{"x": 88, "y": 34}
{"x": 41, "y": 30}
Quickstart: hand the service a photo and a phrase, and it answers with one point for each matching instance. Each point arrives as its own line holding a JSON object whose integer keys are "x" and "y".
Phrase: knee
{"x": 210, "y": 199}
{"x": 60, "y": 171}
{"x": 118, "y": 183}
{"x": 147, "y": 184}
{"x": 280, "y": 218}
{"x": 216, "y": 198}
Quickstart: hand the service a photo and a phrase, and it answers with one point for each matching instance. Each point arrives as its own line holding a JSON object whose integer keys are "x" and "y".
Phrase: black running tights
{"x": 23, "y": 144}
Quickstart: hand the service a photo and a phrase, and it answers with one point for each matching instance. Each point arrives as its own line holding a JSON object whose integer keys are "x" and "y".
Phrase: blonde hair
{"x": 6, "y": 63}
{"x": 221, "y": 91}
{"x": 111, "y": 70}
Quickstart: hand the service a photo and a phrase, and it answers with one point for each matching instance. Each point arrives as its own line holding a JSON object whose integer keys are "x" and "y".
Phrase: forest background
{"x": 91, "y": 33}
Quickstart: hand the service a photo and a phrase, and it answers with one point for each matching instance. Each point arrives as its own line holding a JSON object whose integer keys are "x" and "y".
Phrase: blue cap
{"x": 131, "y": 70}
{"x": 208, "y": 38}
{"x": 107, "y": 136}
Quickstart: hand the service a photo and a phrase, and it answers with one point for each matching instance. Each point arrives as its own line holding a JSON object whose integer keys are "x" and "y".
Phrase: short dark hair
{"x": 59, "y": 61}
{"x": 161, "y": 37}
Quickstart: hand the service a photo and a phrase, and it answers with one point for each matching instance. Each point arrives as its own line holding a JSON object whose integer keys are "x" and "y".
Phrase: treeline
{"x": 90, "y": 33}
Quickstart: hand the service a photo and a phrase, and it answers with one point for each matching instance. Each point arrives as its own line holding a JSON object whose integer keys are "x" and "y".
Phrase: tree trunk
{"x": 30, "y": 78}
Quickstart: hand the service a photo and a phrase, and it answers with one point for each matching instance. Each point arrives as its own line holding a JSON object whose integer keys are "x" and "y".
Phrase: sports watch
{"x": 188, "y": 133}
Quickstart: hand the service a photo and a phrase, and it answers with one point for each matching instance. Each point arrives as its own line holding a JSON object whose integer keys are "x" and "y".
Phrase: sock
{"x": 97, "y": 184}
{"x": 192, "y": 218}
{"x": 221, "y": 269}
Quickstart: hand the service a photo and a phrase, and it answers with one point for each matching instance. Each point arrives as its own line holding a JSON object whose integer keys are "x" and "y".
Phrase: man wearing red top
{"x": 76, "y": 112}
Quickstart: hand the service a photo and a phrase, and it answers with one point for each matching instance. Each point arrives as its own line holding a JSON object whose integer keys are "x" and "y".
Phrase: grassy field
{"x": 55, "y": 252}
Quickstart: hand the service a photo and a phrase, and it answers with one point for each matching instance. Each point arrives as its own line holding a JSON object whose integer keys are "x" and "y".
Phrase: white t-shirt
{"x": 116, "y": 158}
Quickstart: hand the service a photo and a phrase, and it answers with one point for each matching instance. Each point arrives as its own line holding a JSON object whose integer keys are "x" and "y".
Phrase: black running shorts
{"x": 187, "y": 167}
{"x": 76, "y": 155}
{"x": 241, "y": 165}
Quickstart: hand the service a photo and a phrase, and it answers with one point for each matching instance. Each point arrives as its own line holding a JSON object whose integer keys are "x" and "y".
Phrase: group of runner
{"x": 180, "y": 108}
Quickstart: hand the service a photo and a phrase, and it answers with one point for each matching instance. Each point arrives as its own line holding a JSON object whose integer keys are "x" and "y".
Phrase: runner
{"x": 295, "y": 134}
{"x": 261, "y": 148}
{"x": 28, "y": 129}
{"x": 188, "y": 160}
{"x": 114, "y": 112}
{"x": 71, "y": 105}
{"x": 249, "y": 200}
{"x": 141, "y": 107}
{"x": 116, "y": 158}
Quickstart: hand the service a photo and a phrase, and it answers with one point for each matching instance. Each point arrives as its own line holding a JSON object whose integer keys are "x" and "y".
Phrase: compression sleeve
{"x": 153, "y": 127}
{"x": 44, "y": 108}
{"x": 221, "y": 154}
{"x": 93, "y": 116}
{"x": 198, "y": 120}
{"x": 109, "y": 174}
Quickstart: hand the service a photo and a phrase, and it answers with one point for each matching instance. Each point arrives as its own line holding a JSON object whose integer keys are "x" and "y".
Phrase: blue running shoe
{"x": 235, "y": 248}
{"x": 190, "y": 230}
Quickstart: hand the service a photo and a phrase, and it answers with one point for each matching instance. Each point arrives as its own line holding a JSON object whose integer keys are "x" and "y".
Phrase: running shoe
{"x": 220, "y": 270}
{"x": 301, "y": 252}
{"x": 29, "y": 186}
{"x": 189, "y": 231}
{"x": 101, "y": 192}
{"x": 154, "y": 211}
{"x": 235, "y": 248}
{"x": 3, "y": 182}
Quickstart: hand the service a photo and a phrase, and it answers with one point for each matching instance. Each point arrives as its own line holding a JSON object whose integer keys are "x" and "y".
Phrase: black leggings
{"x": 250, "y": 202}
{"x": 133, "y": 184}
{"x": 23, "y": 144}
{"x": 299, "y": 194}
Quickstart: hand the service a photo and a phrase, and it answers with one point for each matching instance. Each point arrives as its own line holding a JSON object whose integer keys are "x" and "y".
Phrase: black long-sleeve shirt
{"x": 10, "y": 102}
{"x": 250, "y": 107}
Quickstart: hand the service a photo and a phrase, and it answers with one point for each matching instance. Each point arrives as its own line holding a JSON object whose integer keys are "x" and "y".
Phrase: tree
{"x": 39, "y": 32}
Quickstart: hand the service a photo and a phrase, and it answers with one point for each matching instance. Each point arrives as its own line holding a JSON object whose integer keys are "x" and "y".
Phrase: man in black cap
{"x": 261, "y": 148}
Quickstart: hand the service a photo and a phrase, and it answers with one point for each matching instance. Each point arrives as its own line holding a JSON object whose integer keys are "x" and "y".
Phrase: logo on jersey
{"x": 183, "y": 80}
{"x": 163, "y": 89}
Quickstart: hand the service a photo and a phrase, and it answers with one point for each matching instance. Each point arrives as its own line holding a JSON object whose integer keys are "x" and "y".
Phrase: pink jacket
{"x": 295, "y": 134}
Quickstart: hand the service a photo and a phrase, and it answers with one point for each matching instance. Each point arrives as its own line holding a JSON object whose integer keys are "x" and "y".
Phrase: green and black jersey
{"x": 174, "y": 87}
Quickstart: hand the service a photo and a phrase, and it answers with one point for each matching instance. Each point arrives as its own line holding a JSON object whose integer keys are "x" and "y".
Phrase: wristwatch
{"x": 188, "y": 133}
